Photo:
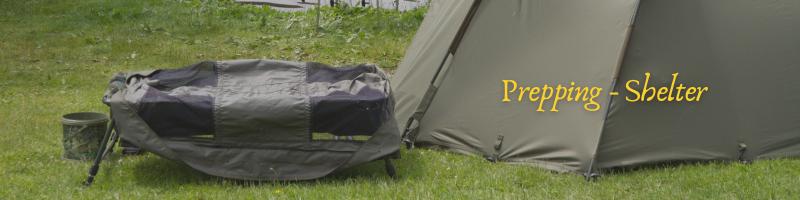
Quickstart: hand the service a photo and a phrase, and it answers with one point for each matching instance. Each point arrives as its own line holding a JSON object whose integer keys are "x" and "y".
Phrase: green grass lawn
{"x": 56, "y": 56}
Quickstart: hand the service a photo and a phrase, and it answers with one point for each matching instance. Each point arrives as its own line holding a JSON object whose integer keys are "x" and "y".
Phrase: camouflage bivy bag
{"x": 259, "y": 119}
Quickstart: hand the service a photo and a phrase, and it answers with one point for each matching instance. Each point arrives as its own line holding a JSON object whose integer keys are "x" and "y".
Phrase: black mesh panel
{"x": 179, "y": 115}
{"x": 341, "y": 113}
{"x": 344, "y": 114}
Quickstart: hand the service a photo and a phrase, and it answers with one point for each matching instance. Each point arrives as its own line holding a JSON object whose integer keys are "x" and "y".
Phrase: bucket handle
{"x": 73, "y": 134}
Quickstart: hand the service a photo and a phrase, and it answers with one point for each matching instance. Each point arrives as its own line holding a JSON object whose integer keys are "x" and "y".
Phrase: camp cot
{"x": 494, "y": 61}
{"x": 259, "y": 119}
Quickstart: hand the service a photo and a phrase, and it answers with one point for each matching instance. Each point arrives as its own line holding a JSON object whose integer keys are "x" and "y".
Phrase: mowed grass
{"x": 56, "y": 56}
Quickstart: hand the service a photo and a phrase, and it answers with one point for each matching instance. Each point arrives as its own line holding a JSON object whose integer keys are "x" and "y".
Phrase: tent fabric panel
{"x": 425, "y": 53}
{"x": 535, "y": 43}
{"x": 745, "y": 52}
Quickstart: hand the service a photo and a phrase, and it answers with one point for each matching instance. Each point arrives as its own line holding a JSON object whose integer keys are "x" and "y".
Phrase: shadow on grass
{"x": 409, "y": 166}
{"x": 153, "y": 171}
{"x": 670, "y": 164}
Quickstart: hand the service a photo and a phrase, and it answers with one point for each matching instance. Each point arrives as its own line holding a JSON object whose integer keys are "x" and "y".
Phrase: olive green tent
{"x": 722, "y": 80}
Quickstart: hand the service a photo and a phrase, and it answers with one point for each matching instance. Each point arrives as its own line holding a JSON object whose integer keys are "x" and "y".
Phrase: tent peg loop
{"x": 742, "y": 148}
{"x": 742, "y": 160}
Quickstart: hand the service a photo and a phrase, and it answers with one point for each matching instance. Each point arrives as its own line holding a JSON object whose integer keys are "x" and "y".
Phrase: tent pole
{"x": 589, "y": 174}
{"x": 459, "y": 35}
{"x": 435, "y": 75}
{"x": 451, "y": 50}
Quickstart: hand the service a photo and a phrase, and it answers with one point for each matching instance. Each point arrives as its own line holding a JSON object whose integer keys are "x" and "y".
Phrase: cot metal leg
{"x": 110, "y": 148}
{"x": 389, "y": 167}
{"x": 114, "y": 134}
{"x": 100, "y": 153}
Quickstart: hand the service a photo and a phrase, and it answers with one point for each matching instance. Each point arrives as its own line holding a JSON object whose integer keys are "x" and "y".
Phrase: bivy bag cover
{"x": 258, "y": 119}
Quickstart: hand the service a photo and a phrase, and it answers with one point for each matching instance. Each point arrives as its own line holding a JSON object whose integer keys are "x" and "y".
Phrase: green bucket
{"x": 83, "y": 132}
